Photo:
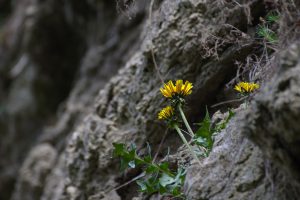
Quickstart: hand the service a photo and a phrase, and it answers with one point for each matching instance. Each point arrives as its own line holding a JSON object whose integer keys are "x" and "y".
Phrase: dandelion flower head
{"x": 181, "y": 89}
{"x": 166, "y": 113}
{"x": 246, "y": 87}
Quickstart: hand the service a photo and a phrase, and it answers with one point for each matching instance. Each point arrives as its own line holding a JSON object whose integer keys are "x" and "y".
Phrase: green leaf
{"x": 204, "y": 130}
{"x": 148, "y": 159}
{"x": 128, "y": 158}
{"x": 123, "y": 165}
{"x": 231, "y": 114}
{"x": 166, "y": 180}
{"x": 151, "y": 169}
{"x": 164, "y": 166}
{"x": 132, "y": 154}
{"x": 176, "y": 192}
{"x": 142, "y": 184}
{"x": 131, "y": 164}
{"x": 118, "y": 149}
{"x": 179, "y": 179}
{"x": 152, "y": 184}
{"x": 162, "y": 190}
{"x": 273, "y": 17}
{"x": 132, "y": 147}
{"x": 202, "y": 142}
{"x": 268, "y": 34}
{"x": 203, "y": 136}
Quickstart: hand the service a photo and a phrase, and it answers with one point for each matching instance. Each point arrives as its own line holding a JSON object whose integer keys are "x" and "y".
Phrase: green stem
{"x": 186, "y": 143}
{"x": 154, "y": 165}
{"x": 185, "y": 121}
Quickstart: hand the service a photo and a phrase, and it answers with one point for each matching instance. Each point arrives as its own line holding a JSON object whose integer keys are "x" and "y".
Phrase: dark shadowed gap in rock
{"x": 5, "y": 9}
{"x": 127, "y": 192}
{"x": 215, "y": 90}
{"x": 55, "y": 48}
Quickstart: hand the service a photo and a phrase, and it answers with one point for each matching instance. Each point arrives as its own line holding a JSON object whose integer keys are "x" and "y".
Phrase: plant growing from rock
{"x": 266, "y": 29}
{"x": 158, "y": 177}
{"x": 273, "y": 17}
{"x": 176, "y": 93}
{"x": 245, "y": 89}
{"x": 266, "y": 33}
{"x": 204, "y": 135}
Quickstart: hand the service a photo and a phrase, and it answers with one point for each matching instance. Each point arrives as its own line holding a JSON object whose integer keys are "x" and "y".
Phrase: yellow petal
{"x": 165, "y": 93}
{"x": 238, "y": 88}
{"x": 187, "y": 88}
{"x": 172, "y": 87}
{"x": 179, "y": 86}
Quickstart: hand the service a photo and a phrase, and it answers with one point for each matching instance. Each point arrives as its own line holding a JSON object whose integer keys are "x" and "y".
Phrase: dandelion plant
{"x": 158, "y": 177}
{"x": 176, "y": 93}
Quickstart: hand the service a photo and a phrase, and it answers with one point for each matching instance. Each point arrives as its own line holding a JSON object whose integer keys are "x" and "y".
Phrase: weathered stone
{"x": 115, "y": 98}
{"x": 33, "y": 174}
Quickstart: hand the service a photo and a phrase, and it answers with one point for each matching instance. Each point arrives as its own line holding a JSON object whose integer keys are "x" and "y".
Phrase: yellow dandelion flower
{"x": 166, "y": 113}
{"x": 182, "y": 89}
{"x": 246, "y": 87}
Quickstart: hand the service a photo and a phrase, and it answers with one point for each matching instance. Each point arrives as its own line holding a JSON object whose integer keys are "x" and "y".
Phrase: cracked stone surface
{"x": 112, "y": 95}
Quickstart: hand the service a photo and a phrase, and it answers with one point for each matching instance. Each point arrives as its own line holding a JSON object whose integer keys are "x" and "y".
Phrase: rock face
{"x": 78, "y": 76}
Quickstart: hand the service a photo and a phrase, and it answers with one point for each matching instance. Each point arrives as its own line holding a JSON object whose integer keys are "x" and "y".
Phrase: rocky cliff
{"x": 77, "y": 76}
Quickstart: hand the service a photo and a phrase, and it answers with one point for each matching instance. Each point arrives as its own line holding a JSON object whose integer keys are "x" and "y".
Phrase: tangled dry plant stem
{"x": 128, "y": 182}
{"x": 229, "y": 101}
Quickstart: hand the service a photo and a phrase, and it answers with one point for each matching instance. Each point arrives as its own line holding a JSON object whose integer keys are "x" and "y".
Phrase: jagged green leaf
{"x": 203, "y": 136}
{"x": 204, "y": 130}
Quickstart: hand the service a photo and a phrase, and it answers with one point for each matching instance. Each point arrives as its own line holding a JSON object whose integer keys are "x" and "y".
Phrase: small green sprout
{"x": 272, "y": 17}
{"x": 266, "y": 33}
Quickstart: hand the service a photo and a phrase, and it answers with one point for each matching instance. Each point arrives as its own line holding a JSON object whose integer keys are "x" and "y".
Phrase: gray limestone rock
{"x": 112, "y": 95}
